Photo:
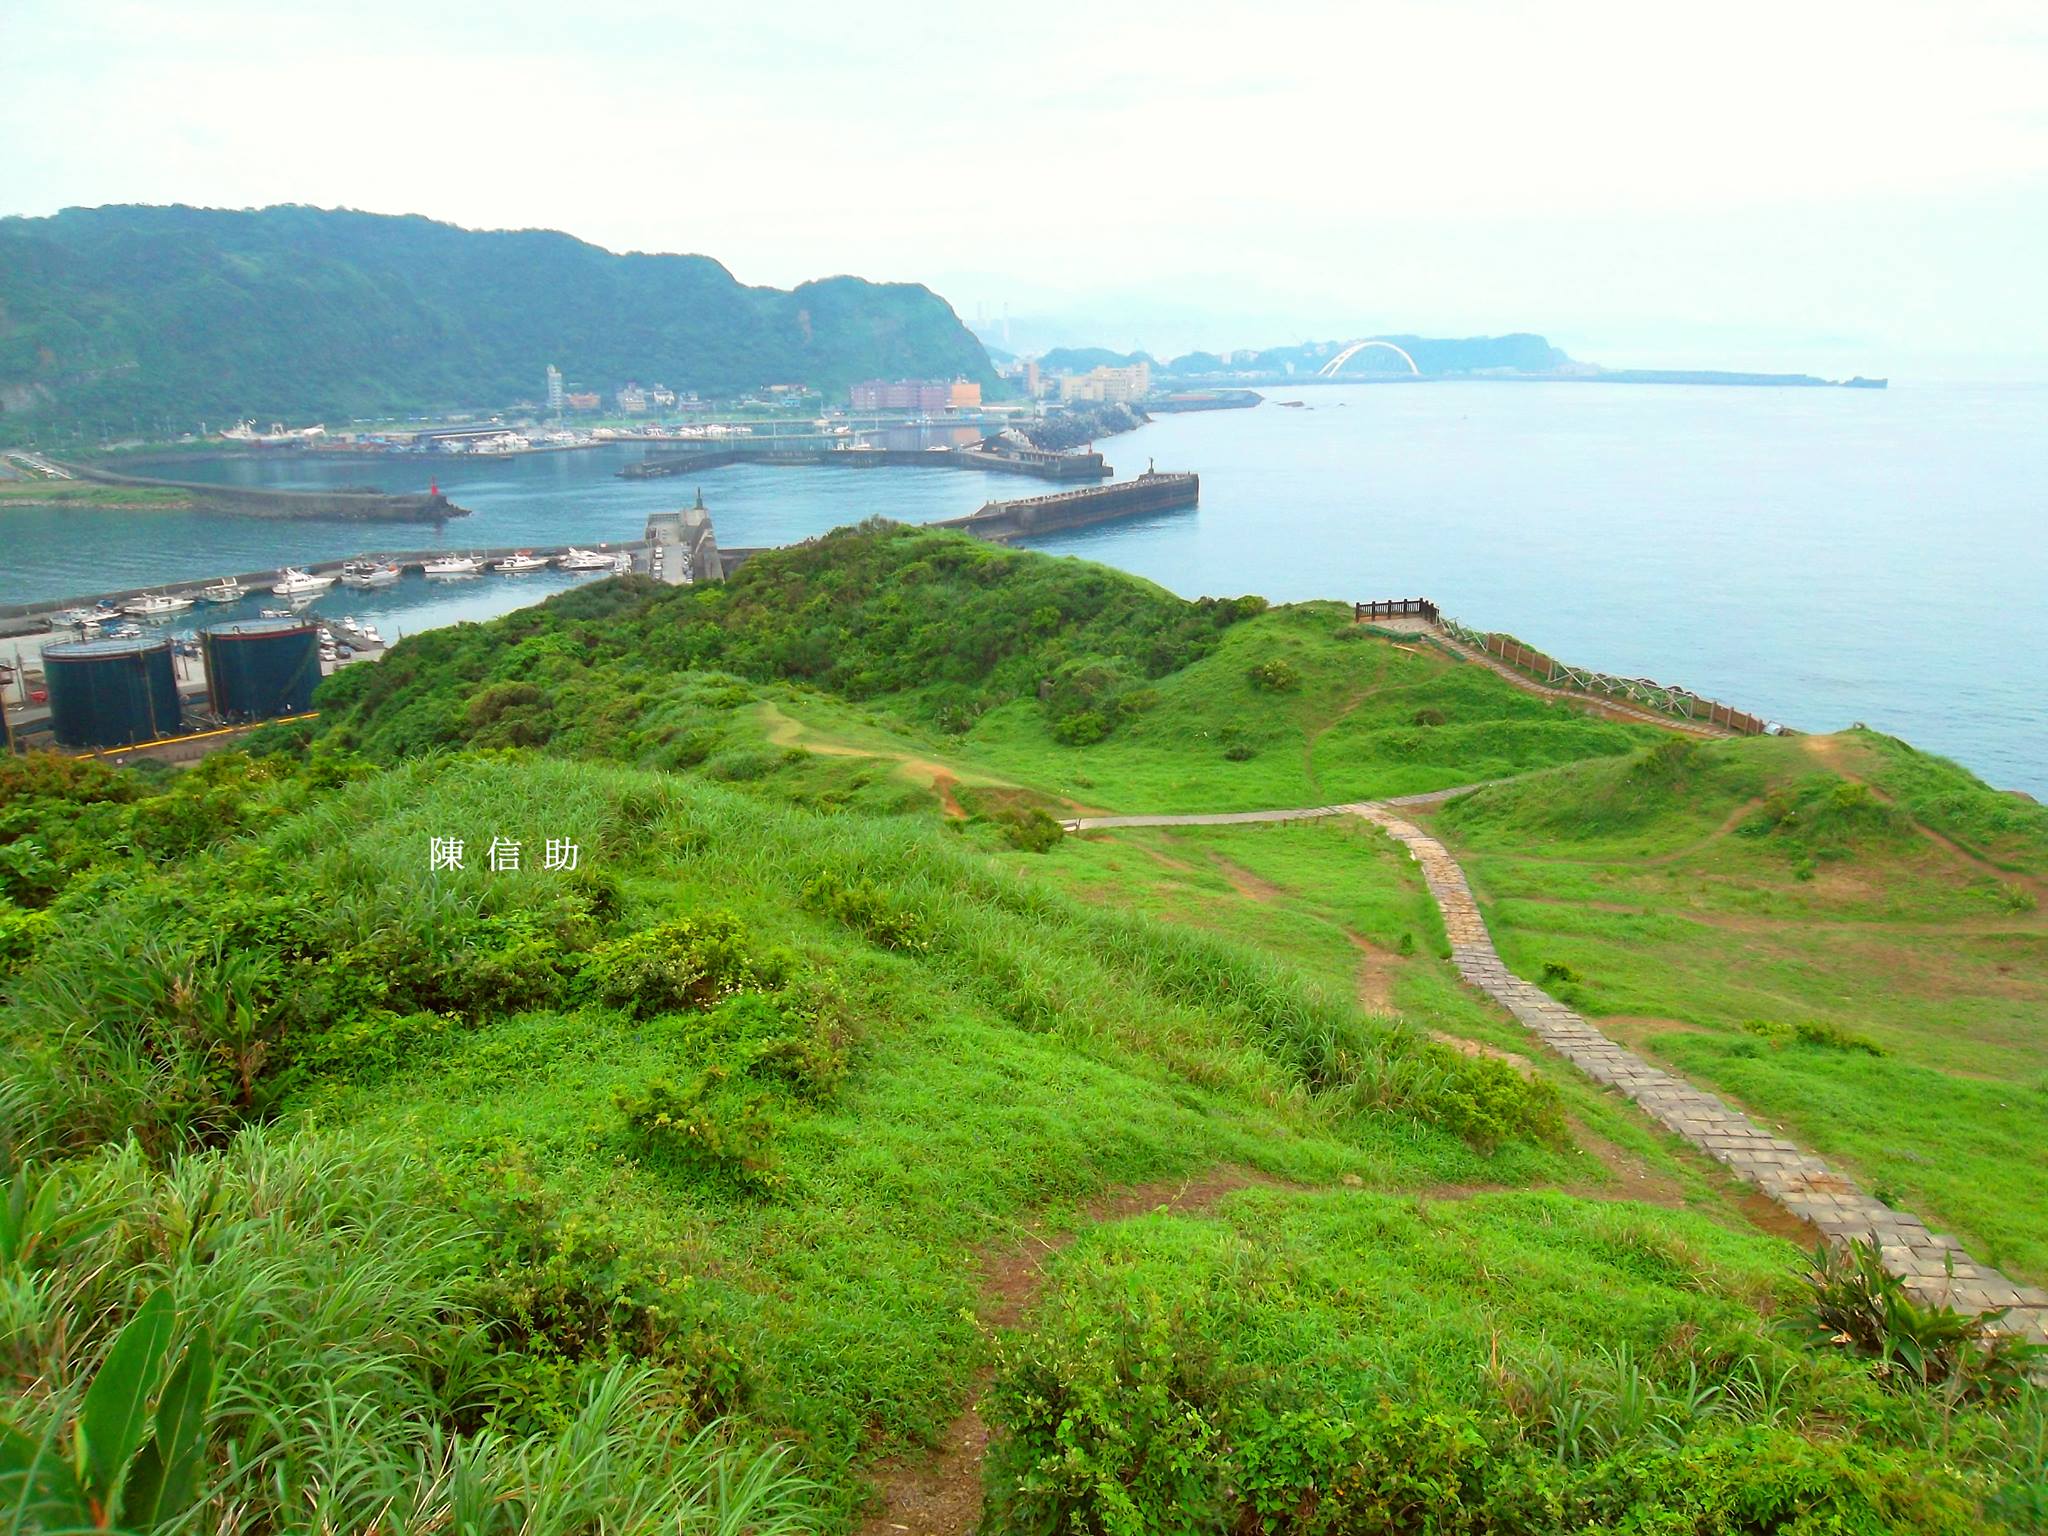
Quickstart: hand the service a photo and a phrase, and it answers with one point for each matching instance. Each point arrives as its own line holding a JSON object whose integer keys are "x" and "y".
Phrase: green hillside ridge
{"x": 181, "y": 314}
{"x": 701, "y": 1187}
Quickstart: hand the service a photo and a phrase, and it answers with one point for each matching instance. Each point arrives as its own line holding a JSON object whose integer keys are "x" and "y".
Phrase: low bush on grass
{"x": 1859, "y": 1305}
{"x": 1819, "y": 1033}
{"x": 690, "y": 963}
{"x": 1309, "y": 1366}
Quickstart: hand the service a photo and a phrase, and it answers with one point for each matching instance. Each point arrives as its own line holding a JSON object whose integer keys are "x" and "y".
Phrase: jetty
{"x": 1001, "y": 522}
{"x": 428, "y": 506}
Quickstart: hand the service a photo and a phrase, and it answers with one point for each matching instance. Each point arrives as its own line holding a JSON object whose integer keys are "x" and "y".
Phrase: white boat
{"x": 519, "y": 564}
{"x": 293, "y": 582}
{"x": 226, "y": 590}
{"x": 452, "y": 565}
{"x": 368, "y": 573}
{"x": 278, "y": 613}
{"x": 154, "y": 605}
{"x": 584, "y": 560}
{"x": 72, "y": 617}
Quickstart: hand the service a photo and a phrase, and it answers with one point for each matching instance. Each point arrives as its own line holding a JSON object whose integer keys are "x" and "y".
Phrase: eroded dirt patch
{"x": 1377, "y": 971}
{"x": 938, "y": 1493}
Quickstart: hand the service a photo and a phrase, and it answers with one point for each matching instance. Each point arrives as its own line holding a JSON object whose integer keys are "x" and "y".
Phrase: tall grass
{"x": 354, "y": 1382}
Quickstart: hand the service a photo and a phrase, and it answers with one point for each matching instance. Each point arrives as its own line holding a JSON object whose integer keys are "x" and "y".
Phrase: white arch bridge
{"x": 1331, "y": 369}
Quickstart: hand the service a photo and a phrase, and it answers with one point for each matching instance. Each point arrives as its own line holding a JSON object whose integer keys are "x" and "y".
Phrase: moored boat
{"x": 293, "y": 582}
{"x": 519, "y": 564}
{"x": 452, "y": 565}
{"x": 369, "y": 573}
{"x": 226, "y": 590}
{"x": 154, "y": 605}
{"x": 584, "y": 560}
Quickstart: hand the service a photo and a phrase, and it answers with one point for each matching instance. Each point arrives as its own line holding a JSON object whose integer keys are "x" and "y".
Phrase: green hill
{"x": 174, "y": 315}
{"x": 830, "y": 1111}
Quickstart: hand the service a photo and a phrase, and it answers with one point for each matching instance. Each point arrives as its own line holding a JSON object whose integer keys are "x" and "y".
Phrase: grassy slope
{"x": 1049, "y": 1038}
{"x": 1758, "y": 884}
{"x": 1365, "y": 718}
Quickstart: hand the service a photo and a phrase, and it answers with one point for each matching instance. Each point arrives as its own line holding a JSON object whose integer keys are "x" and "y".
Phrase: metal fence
{"x": 1682, "y": 703}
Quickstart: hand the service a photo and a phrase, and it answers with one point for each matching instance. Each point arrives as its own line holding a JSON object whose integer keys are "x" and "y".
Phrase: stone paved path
{"x": 1934, "y": 1267}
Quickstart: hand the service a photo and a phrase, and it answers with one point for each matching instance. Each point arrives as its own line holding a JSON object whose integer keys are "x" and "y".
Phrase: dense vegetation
{"x": 173, "y": 315}
{"x": 671, "y": 1191}
{"x": 946, "y": 627}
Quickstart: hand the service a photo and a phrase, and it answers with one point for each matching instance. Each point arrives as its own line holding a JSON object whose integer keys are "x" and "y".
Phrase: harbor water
{"x": 1816, "y": 556}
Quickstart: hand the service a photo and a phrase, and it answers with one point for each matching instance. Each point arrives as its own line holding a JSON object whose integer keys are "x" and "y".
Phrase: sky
{"x": 1799, "y": 183}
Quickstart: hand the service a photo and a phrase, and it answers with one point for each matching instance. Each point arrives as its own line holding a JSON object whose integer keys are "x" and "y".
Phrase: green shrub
{"x": 1858, "y": 1304}
{"x": 21, "y": 932}
{"x": 1112, "y": 1431}
{"x": 710, "y": 1123}
{"x": 869, "y": 910}
{"x": 1029, "y": 828}
{"x": 1275, "y": 675}
{"x": 1819, "y": 1033}
{"x": 692, "y": 963}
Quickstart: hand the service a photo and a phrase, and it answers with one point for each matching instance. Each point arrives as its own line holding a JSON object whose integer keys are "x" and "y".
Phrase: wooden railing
{"x": 1395, "y": 608}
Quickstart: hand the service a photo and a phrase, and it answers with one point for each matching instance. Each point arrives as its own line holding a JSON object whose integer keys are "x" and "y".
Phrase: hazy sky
{"x": 1840, "y": 185}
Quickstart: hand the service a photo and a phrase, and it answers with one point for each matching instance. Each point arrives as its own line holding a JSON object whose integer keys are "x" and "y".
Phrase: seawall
{"x": 1036, "y": 516}
{"x": 261, "y": 501}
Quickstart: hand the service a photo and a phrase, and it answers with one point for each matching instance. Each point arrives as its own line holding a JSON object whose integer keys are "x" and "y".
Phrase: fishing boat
{"x": 154, "y": 605}
{"x": 519, "y": 564}
{"x": 72, "y": 618}
{"x": 226, "y": 590}
{"x": 369, "y": 573}
{"x": 584, "y": 560}
{"x": 293, "y": 582}
{"x": 452, "y": 565}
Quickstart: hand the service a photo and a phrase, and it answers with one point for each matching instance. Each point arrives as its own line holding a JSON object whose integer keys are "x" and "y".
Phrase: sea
{"x": 1819, "y": 557}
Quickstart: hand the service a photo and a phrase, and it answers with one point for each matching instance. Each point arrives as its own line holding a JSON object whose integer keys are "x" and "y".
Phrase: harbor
{"x": 136, "y": 681}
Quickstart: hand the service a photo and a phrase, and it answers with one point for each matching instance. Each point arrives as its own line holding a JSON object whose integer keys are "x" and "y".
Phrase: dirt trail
{"x": 785, "y": 731}
{"x": 938, "y": 1493}
{"x": 1377, "y": 970}
{"x": 1829, "y": 750}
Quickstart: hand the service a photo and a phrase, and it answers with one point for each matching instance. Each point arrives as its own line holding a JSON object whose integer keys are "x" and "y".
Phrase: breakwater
{"x": 1062, "y": 511}
{"x": 1038, "y": 463}
{"x": 264, "y": 501}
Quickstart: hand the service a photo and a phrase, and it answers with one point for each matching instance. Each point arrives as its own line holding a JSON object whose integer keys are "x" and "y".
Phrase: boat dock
{"x": 33, "y": 618}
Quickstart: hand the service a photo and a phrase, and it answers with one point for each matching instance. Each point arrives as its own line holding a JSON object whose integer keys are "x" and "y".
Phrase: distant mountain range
{"x": 1518, "y": 353}
{"x": 165, "y": 316}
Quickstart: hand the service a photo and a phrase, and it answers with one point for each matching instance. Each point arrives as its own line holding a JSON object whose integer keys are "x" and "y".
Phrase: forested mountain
{"x": 176, "y": 314}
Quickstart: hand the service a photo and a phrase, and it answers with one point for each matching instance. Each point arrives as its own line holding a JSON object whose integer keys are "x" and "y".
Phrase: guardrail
{"x": 1682, "y": 703}
{"x": 1395, "y": 608}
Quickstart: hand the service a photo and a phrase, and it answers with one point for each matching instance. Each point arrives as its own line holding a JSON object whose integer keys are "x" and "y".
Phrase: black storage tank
{"x": 111, "y": 693}
{"x": 257, "y": 669}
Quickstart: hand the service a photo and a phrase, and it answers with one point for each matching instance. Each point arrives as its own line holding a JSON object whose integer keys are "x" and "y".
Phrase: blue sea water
{"x": 1816, "y": 556}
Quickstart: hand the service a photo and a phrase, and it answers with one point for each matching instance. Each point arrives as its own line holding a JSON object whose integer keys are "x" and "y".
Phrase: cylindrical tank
{"x": 260, "y": 668}
{"x": 110, "y": 693}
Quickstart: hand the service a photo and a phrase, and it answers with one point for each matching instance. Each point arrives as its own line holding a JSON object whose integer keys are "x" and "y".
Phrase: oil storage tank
{"x": 110, "y": 693}
{"x": 257, "y": 669}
